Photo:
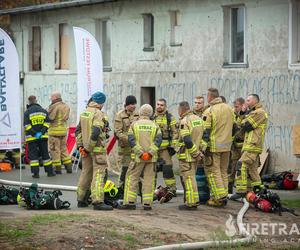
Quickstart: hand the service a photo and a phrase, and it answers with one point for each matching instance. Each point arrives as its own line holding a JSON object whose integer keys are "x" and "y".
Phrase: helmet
{"x": 110, "y": 188}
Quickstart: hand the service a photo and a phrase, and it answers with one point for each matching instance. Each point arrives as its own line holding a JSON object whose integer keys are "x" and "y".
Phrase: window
{"x": 34, "y": 45}
{"x": 103, "y": 37}
{"x": 62, "y": 47}
{"x": 148, "y": 96}
{"x": 294, "y": 32}
{"x": 175, "y": 20}
{"x": 148, "y": 32}
{"x": 235, "y": 35}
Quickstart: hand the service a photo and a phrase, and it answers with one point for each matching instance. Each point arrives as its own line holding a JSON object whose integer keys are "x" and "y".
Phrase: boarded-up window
{"x": 62, "y": 47}
{"x": 148, "y": 32}
{"x": 34, "y": 45}
{"x": 175, "y": 32}
{"x": 103, "y": 37}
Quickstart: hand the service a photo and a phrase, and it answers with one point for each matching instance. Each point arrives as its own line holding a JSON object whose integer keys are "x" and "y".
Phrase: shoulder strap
{"x": 169, "y": 117}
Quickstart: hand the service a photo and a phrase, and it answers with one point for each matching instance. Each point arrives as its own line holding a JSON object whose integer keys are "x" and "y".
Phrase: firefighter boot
{"x": 58, "y": 170}
{"x": 186, "y": 207}
{"x": 50, "y": 172}
{"x": 230, "y": 187}
{"x": 102, "y": 206}
{"x": 35, "y": 171}
{"x": 217, "y": 203}
{"x": 130, "y": 206}
{"x": 68, "y": 168}
{"x": 82, "y": 204}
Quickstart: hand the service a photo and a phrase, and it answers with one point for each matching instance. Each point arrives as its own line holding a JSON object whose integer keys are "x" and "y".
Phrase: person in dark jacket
{"x": 36, "y": 124}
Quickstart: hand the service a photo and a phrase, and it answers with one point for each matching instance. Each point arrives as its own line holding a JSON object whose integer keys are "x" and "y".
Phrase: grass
{"x": 12, "y": 232}
{"x": 291, "y": 203}
{"x": 50, "y": 218}
{"x": 130, "y": 240}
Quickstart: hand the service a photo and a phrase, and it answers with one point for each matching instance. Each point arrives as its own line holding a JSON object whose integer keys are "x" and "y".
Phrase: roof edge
{"x": 51, "y": 6}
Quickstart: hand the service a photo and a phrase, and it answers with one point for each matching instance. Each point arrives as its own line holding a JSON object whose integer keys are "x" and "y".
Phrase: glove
{"x": 38, "y": 135}
{"x": 146, "y": 156}
{"x": 199, "y": 157}
{"x": 83, "y": 152}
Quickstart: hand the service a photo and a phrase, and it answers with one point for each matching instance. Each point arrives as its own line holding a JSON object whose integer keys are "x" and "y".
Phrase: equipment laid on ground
{"x": 113, "y": 196}
{"x": 34, "y": 198}
{"x": 282, "y": 180}
{"x": 8, "y": 195}
{"x": 5, "y": 166}
{"x": 202, "y": 184}
{"x": 267, "y": 201}
{"x": 163, "y": 194}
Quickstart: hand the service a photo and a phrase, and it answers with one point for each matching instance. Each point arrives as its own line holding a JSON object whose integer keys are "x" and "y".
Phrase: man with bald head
{"x": 254, "y": 125}
{"x": 59, "y": 115}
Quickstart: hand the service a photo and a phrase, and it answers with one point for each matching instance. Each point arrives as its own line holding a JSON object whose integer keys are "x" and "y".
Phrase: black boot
{"x": 185, "y": 207}
{"x": 69, "y": 169}
{"x": 130, "y": 206}
{"x": 102, "y": 206}
{"x": 82, "y": 204}
{"x": 230, "y": 188}
{"x": 35, "y": 171}
{"x": 50, "y": 172}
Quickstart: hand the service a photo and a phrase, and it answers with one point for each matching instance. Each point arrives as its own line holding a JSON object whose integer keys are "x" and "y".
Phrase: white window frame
{"x": 227, "y": 10}
{"x": 294, "y": 34}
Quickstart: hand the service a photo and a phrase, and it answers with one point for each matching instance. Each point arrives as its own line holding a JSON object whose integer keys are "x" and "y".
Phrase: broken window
{"x": 62, "y": 46}
{"x": 234, "y": 35}
{"x": 34, "y": 45}
{"x": 294, "y": 36}
{"x": 175, "y": 21}
{"x": 103, "y": 37}
{"x": 148, "y": 32}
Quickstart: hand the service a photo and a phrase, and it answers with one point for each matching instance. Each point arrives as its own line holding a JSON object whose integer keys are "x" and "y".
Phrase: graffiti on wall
{"x": 278, "y": 92}
{"x": 67, "y": 90}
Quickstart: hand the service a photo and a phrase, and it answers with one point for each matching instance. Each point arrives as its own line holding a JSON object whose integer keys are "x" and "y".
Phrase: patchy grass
{"x": 50, "y": 218}
{"x": 78, "y": 231}
{"x": 291, "y": 203}
{"x": 16, "y": 231}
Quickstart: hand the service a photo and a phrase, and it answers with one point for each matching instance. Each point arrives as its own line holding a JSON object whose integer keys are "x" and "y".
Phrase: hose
{"x": 248, "y": 238}
{"x": 45, "y": 186}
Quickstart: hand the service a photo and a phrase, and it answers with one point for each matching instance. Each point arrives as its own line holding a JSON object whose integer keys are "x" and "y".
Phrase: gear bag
{"x": 282, "y": 180}
{"x": 34, "y": 198}
{"x": 8, "y": 195}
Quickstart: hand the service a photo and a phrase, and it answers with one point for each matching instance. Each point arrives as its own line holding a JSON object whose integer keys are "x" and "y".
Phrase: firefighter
{"x": 199, "y": 106}
{"x": 59, "y": 115}
{"x": 189, "y": 153}
{"x": 123, "y": 119}
{"x": 145, "y": 138}
{"x": 218, "y": 124}
{"x": 238, "y": 139}
{"x": 36, "y": 123}
{"x": 254, "y": 125}
{"x": 168, "y": 126}
{"x": 91, "y": 140}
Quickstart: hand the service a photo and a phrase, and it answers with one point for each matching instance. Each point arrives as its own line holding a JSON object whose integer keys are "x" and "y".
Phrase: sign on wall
{"x": 89, "y": 67}
{"x": 10, "y": 112}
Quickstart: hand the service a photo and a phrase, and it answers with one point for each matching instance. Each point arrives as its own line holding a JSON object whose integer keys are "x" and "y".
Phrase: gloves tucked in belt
{"x": 83, "y": 152}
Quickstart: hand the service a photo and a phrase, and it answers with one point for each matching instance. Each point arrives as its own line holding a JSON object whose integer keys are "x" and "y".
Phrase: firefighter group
{"x": 226, "y": 141}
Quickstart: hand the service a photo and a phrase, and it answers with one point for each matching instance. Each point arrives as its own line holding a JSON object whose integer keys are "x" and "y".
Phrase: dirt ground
{"x": 119, "y": 229}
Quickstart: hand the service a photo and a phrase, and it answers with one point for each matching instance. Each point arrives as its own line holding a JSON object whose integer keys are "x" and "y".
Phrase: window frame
{"x": 227, "y": 26}
{"x": 149, "y": 47}
{"x": 294, "y": 40}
